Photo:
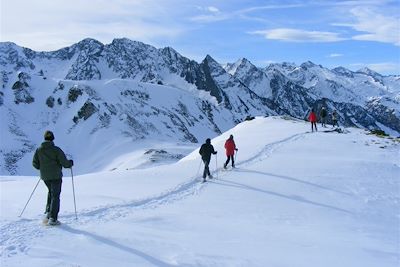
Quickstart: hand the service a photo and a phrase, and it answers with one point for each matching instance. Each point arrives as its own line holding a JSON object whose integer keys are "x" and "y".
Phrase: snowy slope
{"x": 85, "y": 115}
{"x": 295, "y": 199}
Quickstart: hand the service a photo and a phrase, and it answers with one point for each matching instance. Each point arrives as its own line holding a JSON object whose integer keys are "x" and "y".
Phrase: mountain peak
{"x": 170, "y": 52}
{"x": 343, "y": 72}
{"x": 209, "y": 58}
{"x": 309, "y": 64}
{"x": 369, "y": 72}
{"x": 89, "y": 41}
{"x": 281, "y": 67}
{"x": 245, "y": 63}
{"x": 170, "y": 49}
{"x": 8, "y": 44}
{"x": 126, "y": 41}
{"x": 242, "y": 63}
{"x": 243, "y": 60}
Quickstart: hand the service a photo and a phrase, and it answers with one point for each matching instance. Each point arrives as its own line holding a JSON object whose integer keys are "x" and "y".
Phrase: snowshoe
{"x": 45, "y": 218}
{"x": 53, "y": 222}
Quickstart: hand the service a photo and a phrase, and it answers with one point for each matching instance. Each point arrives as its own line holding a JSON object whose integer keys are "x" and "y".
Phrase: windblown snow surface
{"x": 295, "y": 199}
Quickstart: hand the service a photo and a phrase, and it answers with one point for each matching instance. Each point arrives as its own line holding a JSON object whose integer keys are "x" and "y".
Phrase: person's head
{"x": 312, "y": 110}
{"x": 208, "y": 141}
{"x": 231, "y": 137}
{"x": 48, "y": 136}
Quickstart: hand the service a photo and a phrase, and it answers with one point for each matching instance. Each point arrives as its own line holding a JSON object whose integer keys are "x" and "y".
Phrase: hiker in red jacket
{"x": 230, "y": 148}
{"x": 313, "y": 119}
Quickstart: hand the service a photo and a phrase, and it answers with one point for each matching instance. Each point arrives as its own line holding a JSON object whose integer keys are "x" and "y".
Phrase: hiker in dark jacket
{"x": 323, "y": 113}
{"x": 205, "y": 151}
{"x": 50, "y": 159}
{"x": 335, "y": 119}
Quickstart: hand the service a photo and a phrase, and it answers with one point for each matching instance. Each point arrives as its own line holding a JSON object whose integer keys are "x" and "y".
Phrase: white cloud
{"x": 374, "y": 25}
{"x": 210, "y": 14}
{"x": 48, "y": 24}
{"x": 269, "y": 7}
{"x": 335, "y": 55}
{"x": 213, "y": 9}
{"x": 209, "y": 18}
{"x": 214, "y": 14}
{"x": 295, "y": 35}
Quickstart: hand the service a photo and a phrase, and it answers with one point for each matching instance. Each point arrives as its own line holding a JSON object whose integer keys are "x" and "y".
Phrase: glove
{"x": 215, "y": 152}
{"x": 72, "y": 162}
{"x": 236, "y": 149}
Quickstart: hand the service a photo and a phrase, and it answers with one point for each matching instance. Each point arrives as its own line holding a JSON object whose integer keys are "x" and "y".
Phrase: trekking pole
{"x": 198, "y": 169}
{"x": 73, "y": 191}
{"x": 30, "y": 197}
{"x": 216, "y": 164}
{"x": 235, "y": 157}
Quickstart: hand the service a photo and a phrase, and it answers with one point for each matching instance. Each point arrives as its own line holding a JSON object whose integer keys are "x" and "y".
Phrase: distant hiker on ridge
{"x": 205, "y": 151}
{"x": 323, "y": 115}
{"x": 313, "y": 119}
{"x": 50, "y": 159}
{"x": 230, "y": 148}
{"x": 334, "y": 119}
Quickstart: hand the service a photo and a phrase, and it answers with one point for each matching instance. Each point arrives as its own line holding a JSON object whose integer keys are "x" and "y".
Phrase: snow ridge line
{"x": 270, "y": 148}
{"x": 264, "y": 153}
{"x": 16, "y": 235}
{"x": 180, "y": 192}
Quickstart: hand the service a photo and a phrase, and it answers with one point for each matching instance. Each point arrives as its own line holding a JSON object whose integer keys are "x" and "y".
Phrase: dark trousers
{"x": 206, "y": 168}
{"x": 323, "y": 120}
{"x": 53, "y": 198}
{"x": 228, "y": 159}
{"x": 314, "y": 125}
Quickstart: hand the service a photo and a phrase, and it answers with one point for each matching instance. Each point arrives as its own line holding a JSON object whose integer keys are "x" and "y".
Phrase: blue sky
{"x": 352, "y": 34}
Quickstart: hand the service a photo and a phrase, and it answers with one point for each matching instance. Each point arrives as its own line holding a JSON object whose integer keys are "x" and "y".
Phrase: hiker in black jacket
{"x": 205, "y": 151}
{"x": 322, "y": 115}
{"x": 50, "y": 159}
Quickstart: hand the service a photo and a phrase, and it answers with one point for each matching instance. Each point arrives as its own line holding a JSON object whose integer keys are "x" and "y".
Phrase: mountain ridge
{"x": 136, "y": 91}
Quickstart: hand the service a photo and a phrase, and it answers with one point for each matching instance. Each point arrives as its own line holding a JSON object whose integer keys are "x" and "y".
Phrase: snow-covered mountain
{"x": 132, "y": 92}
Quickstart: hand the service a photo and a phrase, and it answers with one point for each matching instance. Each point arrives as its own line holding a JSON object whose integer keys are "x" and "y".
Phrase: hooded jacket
{"x": 230, "y": 147}
{"x": 312, "y": 117}
{"x": 206, "y": 150}
{"x": 50, "y": 159}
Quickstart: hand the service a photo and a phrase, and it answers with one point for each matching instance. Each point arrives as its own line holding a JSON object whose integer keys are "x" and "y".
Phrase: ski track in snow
{"x": 16, "y": 236}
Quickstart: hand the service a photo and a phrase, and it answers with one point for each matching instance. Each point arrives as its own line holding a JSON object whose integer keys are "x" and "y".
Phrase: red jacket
{"x": 230, "y": 147}
{"x": 312, "y": 117}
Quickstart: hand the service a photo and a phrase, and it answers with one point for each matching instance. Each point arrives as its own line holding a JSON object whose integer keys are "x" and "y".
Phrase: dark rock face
{"x": 50, "y": 102}
{"x": 22, "y": 90}
{"x": 84, "y": 67}
{"x": 87, "y": 110}
{"x": 383, "y": 114}
{"x": 74, "y": 93}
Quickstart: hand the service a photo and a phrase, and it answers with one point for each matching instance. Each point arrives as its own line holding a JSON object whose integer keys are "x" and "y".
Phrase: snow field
{"x": 295, "y": 199}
